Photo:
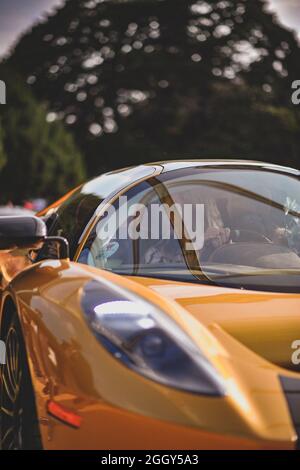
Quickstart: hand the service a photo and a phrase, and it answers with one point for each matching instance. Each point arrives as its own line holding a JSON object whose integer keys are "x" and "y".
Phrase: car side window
{"x": 129, "y": 256}
{"x": 72, "y": 216}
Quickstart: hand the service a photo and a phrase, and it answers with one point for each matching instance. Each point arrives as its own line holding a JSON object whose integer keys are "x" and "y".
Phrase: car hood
{"x": 266, "y": 323}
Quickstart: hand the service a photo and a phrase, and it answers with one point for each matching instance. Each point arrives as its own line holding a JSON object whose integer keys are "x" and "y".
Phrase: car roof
{"x": 109, "y": 184}
{"x": 171, "y": 165}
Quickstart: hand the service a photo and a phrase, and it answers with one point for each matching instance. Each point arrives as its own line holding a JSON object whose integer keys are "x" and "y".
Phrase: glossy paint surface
{"x": 246, "y": 335}
{"x": 69, "y": 366}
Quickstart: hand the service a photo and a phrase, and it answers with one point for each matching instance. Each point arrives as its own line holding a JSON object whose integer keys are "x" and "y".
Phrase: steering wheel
{"x": 241, "y": 236}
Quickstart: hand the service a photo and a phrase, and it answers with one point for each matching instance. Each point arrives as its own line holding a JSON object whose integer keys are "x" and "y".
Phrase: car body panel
{"x": 70, "y": 367}
{"x": 118, "y": 407}
{"x": 245, "y": 315}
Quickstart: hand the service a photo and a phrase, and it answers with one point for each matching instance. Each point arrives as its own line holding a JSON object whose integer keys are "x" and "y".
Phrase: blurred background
{"x": 94, "y": 85}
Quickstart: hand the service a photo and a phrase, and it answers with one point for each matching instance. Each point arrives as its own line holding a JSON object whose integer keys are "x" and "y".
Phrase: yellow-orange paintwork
{"x": 246, "y": 335}
{"x": 121, "y": 408}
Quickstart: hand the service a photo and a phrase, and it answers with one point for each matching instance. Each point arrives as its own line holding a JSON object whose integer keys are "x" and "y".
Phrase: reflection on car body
{"x": 152, "y": 342}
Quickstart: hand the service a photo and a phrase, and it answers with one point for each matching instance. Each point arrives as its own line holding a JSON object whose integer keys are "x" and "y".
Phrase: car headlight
{"x": 146, "y": 340}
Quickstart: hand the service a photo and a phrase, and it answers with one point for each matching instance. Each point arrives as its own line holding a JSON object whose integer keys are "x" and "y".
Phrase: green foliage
{"x": 42, "y": 159}
{"x": 138, "y": 81}
{"x": 241, "y": 122}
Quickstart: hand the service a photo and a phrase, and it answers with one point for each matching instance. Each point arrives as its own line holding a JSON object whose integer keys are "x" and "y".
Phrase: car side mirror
{"x": 30, "y": 233}
{"x": 21, "y": 232}
{"x": 54, "y": 248}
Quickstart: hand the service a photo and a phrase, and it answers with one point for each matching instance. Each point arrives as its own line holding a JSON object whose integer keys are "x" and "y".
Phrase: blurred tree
{"x": 242, "y": 121}
{"x": 42, "y": 159}
{"x": 145, "y": 80}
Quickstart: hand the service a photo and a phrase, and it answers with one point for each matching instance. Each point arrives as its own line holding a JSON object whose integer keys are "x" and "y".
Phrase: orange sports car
{"x": 155, "y": 307}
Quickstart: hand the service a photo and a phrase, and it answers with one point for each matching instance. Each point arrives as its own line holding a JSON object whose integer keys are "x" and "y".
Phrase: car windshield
{"x": 234, "y": 226}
